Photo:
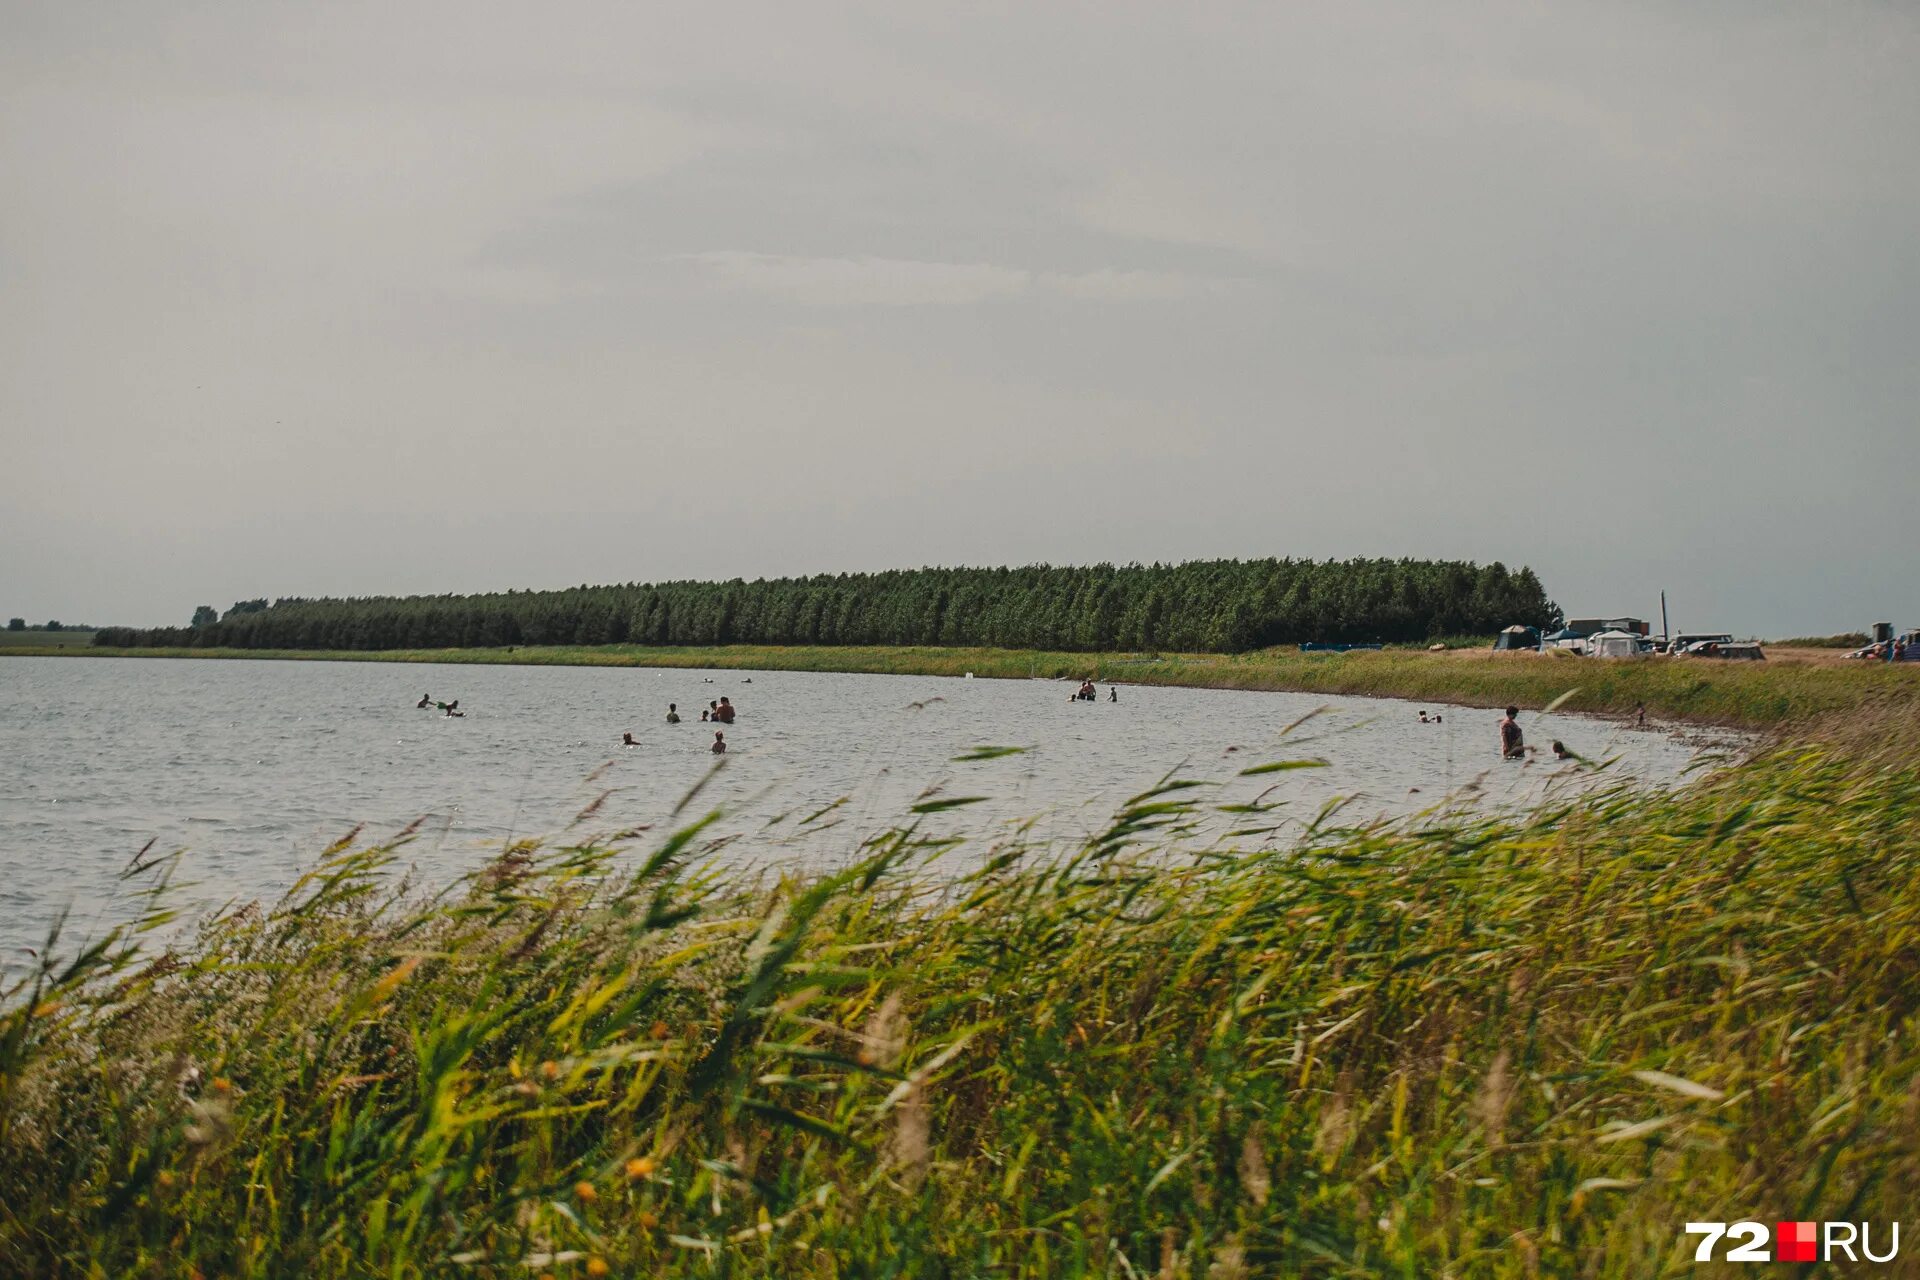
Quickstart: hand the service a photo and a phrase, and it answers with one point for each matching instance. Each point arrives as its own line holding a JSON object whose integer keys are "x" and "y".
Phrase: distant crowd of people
{"x": 1513, "y": 744}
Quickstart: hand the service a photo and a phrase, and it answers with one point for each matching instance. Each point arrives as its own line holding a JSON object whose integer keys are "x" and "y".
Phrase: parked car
{"x": 1685, "y": 640}
{"x": 1747, "y": 649}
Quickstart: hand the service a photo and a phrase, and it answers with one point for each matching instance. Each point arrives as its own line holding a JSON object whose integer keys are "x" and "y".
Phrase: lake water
{"x": 254, "y": 767}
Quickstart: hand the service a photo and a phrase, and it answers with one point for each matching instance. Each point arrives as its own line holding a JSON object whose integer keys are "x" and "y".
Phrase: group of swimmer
{"x": 717, "y": 712}
{"x": 721, "y": 711}
{"x": 1513, "y": 743}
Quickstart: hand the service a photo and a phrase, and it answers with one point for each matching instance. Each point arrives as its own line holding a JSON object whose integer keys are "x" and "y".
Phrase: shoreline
{"x": 1789, "y": 689}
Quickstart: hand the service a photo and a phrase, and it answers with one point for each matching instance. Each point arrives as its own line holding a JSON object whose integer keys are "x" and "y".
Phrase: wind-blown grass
{"x": 1467, "y": 1047}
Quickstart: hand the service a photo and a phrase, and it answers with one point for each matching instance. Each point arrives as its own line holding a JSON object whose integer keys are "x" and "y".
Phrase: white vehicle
{"x": 1686, "y": 640}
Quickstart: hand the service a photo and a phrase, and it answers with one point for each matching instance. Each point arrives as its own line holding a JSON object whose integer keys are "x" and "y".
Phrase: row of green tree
{"x": 21, "y": 624}
{"x": 1218, "y": 606}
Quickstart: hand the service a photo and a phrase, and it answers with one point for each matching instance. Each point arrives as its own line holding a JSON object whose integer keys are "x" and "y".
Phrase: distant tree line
{"x": 1223, "y": 606}
{"x": 20, "y": 624}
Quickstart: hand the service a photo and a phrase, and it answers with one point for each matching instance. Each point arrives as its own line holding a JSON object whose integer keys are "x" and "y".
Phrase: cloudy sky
{"x": 353, "y": 299}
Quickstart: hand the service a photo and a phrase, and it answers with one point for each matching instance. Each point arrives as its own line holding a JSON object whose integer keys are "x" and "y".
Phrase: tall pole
{"x": 1664, "y": 633}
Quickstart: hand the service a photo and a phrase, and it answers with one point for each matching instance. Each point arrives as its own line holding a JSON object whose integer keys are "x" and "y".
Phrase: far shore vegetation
{"x": 1844, "y": 640}
{"x": 1213, "y": 606}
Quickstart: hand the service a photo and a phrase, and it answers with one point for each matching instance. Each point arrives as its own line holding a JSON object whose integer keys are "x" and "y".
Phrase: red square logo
{"x": 1796, "y": 1242}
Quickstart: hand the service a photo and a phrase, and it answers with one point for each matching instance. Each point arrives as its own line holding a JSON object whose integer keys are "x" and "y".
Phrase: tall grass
{"x": 1742, "y": 694}
{"x": 1456, "y": 1046}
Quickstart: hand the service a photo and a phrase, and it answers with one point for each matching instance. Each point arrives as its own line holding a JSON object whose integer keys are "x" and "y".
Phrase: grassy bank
{"x": 1748, "y": 695}
{"x": 45, "y": 641}
{"x": 1510, "y": 1048}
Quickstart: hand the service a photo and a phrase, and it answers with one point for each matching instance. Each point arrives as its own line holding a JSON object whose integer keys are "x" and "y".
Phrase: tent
{"x": 1518, "y": 638}
{"x": 1566, "y": 638}
{"x": 1613, "y": 644}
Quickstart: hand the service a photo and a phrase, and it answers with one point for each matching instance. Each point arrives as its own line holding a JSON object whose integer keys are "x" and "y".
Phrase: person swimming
{"x": 626, "y": 740}
{"x": 1560, "y": 751}
{"x": 673, "y": 713}
{"x": 426, "y": 700}
{"x": 1423, "y": 718}
{"x": 1512, "y": 743}
{"x": 719, "y": 746}
{"x": 457, "y": 714}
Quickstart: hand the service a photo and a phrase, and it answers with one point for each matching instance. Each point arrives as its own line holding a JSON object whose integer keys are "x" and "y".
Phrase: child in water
{"x": 673, "y": 713}
{"x": 719, "y": 747}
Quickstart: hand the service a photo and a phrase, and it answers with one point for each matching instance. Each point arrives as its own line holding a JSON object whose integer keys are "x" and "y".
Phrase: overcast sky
{"x": 356, "y": 299}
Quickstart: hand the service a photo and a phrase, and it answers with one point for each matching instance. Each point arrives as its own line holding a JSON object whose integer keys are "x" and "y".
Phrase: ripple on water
{"x": 253, "y": 800}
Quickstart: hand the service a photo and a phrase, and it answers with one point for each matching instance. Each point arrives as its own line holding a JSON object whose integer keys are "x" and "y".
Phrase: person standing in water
{"x": 1512, "y": 744}
{"x": 1113, "y": 694}
{"x": 725, "y": 713}
{"x": 719, "y": 747}
{"x": 1640, "y": 715}
{"x": 673, "y": 713}
{"x": 426, "y": 700}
